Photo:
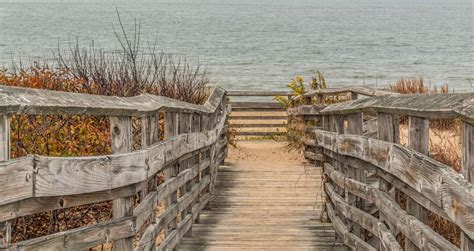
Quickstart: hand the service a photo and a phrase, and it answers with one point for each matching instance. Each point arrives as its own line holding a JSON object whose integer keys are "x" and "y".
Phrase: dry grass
{"x": 416, "y": 86}
{"x": 131, "y": 71}
{"x": 445, "y": 147}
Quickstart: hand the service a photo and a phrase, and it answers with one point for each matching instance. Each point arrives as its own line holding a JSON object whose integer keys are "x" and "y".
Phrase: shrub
{"x": 131, "y": 71}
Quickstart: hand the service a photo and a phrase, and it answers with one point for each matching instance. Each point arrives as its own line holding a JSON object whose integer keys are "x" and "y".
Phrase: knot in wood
{"x": 147, "y": 162}
{"x": 116, "y": 130}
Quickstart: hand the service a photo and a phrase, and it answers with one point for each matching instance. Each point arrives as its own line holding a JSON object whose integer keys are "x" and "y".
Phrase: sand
{"x": 264, "y": 153}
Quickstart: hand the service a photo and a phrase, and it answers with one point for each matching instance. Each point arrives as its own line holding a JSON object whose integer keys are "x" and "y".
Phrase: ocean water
{"x": 262, "y": 44}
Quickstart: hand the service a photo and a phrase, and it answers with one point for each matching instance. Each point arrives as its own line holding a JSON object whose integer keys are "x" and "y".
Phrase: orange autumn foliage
{"x": 54, "y": 135}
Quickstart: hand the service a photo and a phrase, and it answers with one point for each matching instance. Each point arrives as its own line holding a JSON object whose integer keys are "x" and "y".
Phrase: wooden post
{"x": 171, "y": 130}
{"x": 355, "y": 126}
{"x": 4, "y": 137}
{"x": 468, "y": 172}
{"x": 5, "y": 227}
{"x": 388, "y": 129}
{"x": 121, "y": 136}
{"x": 185, "y": 127}
{"x": 195, "y": 127}
{"x": 154, "y": 129}
{"x": 206, "y": 126}
{"x": 145, "y": 139}
{"x": 338, "y": 127}
{"x": 418, "y": 140}
{"x": 145, "y": 142}
{"x": 149, "y": 137}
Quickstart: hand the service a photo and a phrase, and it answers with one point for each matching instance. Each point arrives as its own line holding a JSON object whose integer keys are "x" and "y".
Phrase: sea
{"x": 263, "y": 44}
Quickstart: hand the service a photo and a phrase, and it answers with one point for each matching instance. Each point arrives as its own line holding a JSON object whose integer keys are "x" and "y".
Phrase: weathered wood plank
{"x": 35, "y": 101}
{"x": 171, "y": 130}
{"x": 435, "y": 181}
{"x": 364, "y": 219}
{"x": 388, "y": 129}
{"x": 305, "y": 110}
{"x": 4, "y": 137}
{"x": 184, "y": 227}
{"x": 363, "y": 90}
{"x": 258, "y": 93}
{"x": 121, "y": 137}
{"x": 418, "y": 140}
{"x": 420, "y": 234}
{"x": 97, "y": 234}
{"x": 467, "y": 243}
{"x": 170, "y": 214}
{"x": 355, "y": 127}
{"x": 15, "y": 180}
{"x": 313, "y": 156}
{"x": 80, "y": 238}
{"x": 349, "y": 238}
{"x": 437, "y": 106}
{"x": 36, "y": 205}
{"x": 69, "y": 176}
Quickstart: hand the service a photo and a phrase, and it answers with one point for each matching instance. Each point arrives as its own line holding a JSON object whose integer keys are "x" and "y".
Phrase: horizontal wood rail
{"x": 34, "y": 101}
{"x": 433, "y": 106}
{"x": 176, "y": 174}
{"x": 358, "y": 144}
{"x": 362, "y": 90}
{"x": 241, "y": 93}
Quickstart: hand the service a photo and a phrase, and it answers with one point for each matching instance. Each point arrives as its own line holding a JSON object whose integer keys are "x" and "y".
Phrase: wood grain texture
{"x": 350, "y": 239}
{"x": 305, "y": 110}
{"x": 418, "y": 140}
{"x": 15, "y": 179}
{"x": 80, "y": 238}
{"x": 36, "y": 205}
{"x": 421, "y": 235}
{"x": 438, "y": 106}
{"x": 67, "y": 182}
{"x": 263, "y": 208}
{"x": 121, "y": 138}
{"x": 34, "y": 101}
{"x": 59, "y": 176}
{"x": 364, "y": 219}
{"x": 467, "y": 243}
{"x": 438, "y": 183}
{"x": 363, "y": 90}
{"x": 258, "y": 93}
{"x": 4, "y": 137}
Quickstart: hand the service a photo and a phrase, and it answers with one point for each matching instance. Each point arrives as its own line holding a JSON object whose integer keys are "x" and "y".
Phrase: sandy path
{"x": 263, "y": 153}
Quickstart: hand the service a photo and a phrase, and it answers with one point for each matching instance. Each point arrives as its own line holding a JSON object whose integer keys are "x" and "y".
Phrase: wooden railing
{"x": 364, "y": 169}
{"x": 178, "y": 172}
{"x": 257, "y": 118}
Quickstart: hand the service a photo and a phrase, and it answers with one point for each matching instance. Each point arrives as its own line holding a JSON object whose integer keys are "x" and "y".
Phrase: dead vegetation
{"x": 136, "y": 68}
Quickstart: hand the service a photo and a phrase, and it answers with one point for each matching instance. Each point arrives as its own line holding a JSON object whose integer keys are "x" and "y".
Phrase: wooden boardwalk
{"x": 264, "y": 200}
